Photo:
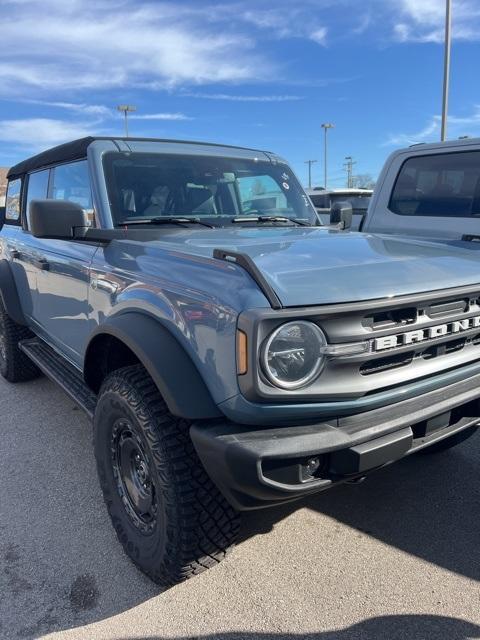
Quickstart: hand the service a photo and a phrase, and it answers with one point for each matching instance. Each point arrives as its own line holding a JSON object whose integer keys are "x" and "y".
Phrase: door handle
{"x": 41, "y": 263}
{"x": 14, "y": 254}
{"x": 105, "y": 285}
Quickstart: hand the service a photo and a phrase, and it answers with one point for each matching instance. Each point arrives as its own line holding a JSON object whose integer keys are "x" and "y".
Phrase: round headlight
{"x": 291, "y": 356}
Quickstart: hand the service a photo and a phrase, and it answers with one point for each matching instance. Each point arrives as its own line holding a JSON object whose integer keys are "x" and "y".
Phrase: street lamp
{"x": 126, "y": 108}
{"x": 326, "y": 126}
{"x": 446, "y": 67}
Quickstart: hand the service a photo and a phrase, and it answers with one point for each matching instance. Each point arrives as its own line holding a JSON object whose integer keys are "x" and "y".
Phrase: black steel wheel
{"x": 170, "y": 518}
{"x": 134, "y": 473}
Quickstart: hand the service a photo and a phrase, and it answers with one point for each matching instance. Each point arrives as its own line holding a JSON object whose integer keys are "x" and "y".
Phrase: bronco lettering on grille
{"x": 419, "y": 335}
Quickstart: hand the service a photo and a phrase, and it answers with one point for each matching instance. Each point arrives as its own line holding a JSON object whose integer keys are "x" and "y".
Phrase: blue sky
{"x": 256, "y": 73}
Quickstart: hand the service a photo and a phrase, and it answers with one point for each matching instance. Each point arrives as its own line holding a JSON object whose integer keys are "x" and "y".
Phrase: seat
{"x": 200, "y": 200}
{"x": 158, "y": 202}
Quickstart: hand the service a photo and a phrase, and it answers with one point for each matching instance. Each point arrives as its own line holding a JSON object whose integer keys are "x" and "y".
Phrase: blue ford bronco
{"x": 232, "y": 352}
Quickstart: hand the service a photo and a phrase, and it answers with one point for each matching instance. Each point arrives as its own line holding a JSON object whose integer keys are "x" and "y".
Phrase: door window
{"x": 72, "y": 182}
{"x": 37, "y": 189}
{"x": 12, "y": 201}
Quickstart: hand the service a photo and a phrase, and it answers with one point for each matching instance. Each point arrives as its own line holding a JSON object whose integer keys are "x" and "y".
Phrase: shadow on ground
{"x": 405, "y": 627}
{"x": 426, "y": 505}
{"x": 61, "y": 566}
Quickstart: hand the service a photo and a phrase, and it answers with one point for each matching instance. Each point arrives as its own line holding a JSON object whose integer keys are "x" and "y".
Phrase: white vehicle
{"x": 431, "y": 191}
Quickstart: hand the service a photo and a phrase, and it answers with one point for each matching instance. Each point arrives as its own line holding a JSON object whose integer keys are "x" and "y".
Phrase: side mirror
{"x": 2, "y": 217}
{"x": 341, "y": 214}
{"x": 57, "y": 219}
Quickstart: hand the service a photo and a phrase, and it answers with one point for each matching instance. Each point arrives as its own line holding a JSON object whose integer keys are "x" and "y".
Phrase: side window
{"x": 72, "y": 182}
{"x": 12, "y": 201}
{"x": 37, "y": 189}
{"x": 261, "y": 193}
{"x": 446, "y": 184}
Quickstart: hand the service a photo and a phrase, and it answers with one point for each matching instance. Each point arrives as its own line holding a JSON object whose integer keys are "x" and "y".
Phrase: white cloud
{"x": 159, "y": 116}
{"x": 41, "y": 133}
{"x": 287, "y": 21}
{"x": 319, "y": 36}
{"x": 457, "y": 126}
{"x": 424, "y": 20}
{"x": 88, "y": 109}
{"x": 104, "y": 46}
{"x": 243, "y": 98}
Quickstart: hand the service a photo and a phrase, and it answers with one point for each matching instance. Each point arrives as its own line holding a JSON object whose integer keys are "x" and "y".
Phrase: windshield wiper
{"x": 166, "y": 220}
{"x": 301, "y": 223}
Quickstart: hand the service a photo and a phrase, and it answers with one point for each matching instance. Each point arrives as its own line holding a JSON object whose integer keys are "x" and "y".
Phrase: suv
{"x": 230, "y": 358}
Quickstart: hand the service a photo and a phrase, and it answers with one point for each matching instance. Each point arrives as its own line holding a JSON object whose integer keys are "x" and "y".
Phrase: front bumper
{"x": 256, "y": 467}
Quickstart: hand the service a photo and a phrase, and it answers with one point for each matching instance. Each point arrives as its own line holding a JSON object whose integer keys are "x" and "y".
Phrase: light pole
{"x": 446, "y": 67}
{"x": 310, "y": 162}
{"x": 126, "y": 108}
{"x": 326, "y": 126}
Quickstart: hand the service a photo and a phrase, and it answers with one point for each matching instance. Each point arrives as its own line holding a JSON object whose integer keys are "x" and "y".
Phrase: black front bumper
{"x": 257, "y": 467}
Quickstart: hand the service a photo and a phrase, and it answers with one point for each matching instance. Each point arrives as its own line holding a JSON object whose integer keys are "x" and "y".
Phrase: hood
{"x": 312, "y": 266}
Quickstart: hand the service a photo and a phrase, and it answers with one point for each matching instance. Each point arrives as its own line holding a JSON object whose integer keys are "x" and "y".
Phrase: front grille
{"x": 385, "y": 364}
{"x": 443, "y": 333}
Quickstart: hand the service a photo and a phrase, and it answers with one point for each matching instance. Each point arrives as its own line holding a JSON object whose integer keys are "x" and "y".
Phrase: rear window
{"x": 445, "y": 184}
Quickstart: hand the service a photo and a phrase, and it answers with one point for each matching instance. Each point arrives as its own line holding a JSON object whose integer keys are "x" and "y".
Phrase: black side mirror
{"x": 341, "y": 214}
{"x": 57, "y": 219}
{"x": 2, "y": 217}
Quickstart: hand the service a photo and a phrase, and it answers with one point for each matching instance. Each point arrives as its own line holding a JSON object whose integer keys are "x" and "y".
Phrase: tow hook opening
{"x": 296, "y": 470}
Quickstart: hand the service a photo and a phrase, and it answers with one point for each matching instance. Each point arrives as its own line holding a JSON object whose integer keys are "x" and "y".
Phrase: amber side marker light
{"x": 242, "y": 358}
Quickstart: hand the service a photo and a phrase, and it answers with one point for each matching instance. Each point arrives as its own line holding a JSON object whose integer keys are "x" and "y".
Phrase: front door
{"x": 59, "y": 270}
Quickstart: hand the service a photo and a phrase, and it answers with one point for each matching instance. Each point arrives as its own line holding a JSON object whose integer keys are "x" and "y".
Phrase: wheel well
{"x": 105, "y": 354}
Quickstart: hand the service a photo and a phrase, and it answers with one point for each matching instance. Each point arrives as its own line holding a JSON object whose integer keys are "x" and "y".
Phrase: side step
{"x": 60, "y": 371}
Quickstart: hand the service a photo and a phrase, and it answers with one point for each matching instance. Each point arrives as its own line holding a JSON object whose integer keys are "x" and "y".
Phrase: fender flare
{"x": 9, "y": 294}
{"x": 171, "y": 368}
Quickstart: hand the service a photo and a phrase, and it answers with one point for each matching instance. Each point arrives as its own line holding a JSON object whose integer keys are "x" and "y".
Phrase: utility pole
{"x": 326, "y": 126}
{"x": 348, "y": 166}
{"x": 310, "y": 162}
{"x": 126, "y": 109}
{"x": 446, "y": 67}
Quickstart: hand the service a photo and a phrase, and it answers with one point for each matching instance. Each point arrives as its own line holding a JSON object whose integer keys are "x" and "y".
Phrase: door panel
{"x": 61, "y": 310}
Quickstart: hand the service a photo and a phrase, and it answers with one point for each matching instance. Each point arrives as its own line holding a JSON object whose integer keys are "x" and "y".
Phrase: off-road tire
{"x": 195, "y": 526}
{"x": 15, "y": 366}
{"x": 450, "y": 442}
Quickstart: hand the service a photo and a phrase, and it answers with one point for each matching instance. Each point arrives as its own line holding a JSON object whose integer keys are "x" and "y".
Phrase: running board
{"x": 60, "y": 371}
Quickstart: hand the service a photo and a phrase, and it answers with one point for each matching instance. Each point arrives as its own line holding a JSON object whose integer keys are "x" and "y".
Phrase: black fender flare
{"x": 171, "y": 368}
{"x": 9, "y": 294}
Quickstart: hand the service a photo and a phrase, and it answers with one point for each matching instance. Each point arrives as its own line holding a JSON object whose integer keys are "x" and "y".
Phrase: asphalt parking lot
{"x": 397, "y": 557}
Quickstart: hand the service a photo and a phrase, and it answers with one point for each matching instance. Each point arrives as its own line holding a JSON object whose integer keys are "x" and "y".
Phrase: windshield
{"x": 217, "y": 190}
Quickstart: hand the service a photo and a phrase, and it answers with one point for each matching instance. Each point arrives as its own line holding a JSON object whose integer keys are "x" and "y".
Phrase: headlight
{"x": 292, "y": 355}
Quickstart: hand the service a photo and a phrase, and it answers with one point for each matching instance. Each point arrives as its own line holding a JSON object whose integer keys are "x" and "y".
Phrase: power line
{"x": 348, "y": 167}
{"x": 310, "y": 162}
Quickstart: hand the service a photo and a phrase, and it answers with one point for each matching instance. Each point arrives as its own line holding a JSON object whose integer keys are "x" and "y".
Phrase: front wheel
{"x": 450, "y": 442}
{"x": 170, "y": 518}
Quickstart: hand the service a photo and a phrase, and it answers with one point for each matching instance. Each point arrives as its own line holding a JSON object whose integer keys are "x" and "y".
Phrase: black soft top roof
{"x": 77, "y": 149}
{"x": 63, "y": 153}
